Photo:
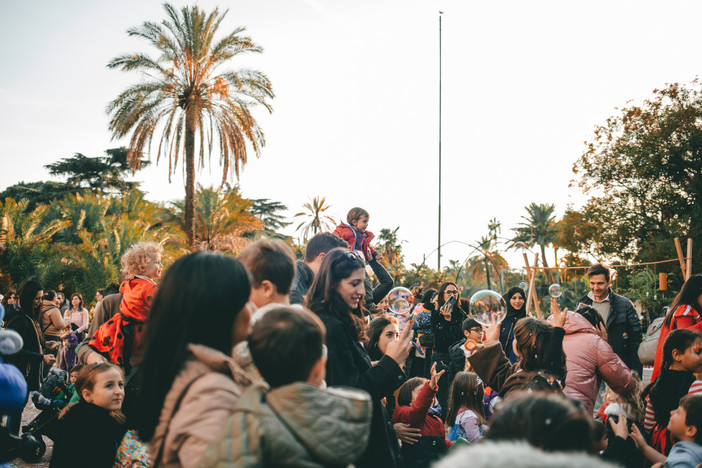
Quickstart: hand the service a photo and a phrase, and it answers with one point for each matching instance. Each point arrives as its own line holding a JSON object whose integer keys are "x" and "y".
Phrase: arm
{"x": 83, "y": 325}
{"x": 469, "y": 422}
{"x": 384, "y": 278}
{"x": 553, "y": 363}
{"x": 86, "y": 354}
{"x": 633, "y": 318}
{"x": 57, "y": 320}
{"x": 652, "y": 455}
{"x": 491, "y": 365}
{"x": 417, "y": 412}
{"x": 613, "y": 370}
{"x": 650, "y": 418}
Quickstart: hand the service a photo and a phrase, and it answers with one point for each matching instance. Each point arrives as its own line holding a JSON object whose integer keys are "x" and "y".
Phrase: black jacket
{"x": 507, "y": 333}
{"x": 29, "y": 359}
{"x": 623, "y": 329}
{"x": 446, "y": 332}
{"x": 301, "y": 282}
{"x": 457, "y": 359}
{"x": 348, "y": 365}
{"x": 86, "y": 437}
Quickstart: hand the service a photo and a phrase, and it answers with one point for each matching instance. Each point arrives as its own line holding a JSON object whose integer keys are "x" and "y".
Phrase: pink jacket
{"x": 589, "y": 359}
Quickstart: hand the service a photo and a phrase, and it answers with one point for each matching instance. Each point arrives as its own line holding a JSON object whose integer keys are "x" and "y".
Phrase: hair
{"x": 112, "y": 288}
{"x": 532, "y": 337}
{"x": 441, "y": 301}
{"x": 322, "y": 297}
{"x": 428, "y": 296}
{"x": 467, "y": 391}
{"x": 663, "y": 401}
{"x": 373, "y": 333}
{"x": 75, "y": 368}
{"x": 508, "y": 296}
{"x": 598, "y": 269}
{"x": 198, "y": 302}
{"x": 286, "y": 344}
{"x": 322, "y": 243}
{"x": 469, "y": 323}
{"x": 61, "y": 293}
{"x": 26, "y": 294}
{"x": 80, "y": 307}
{"x": 137, "y": 257}
{"x": 692, "y": 404}
{"x": 85, "y": 380}
{"x": 101, "y": 292}
{"x": 633, "y": 400}
{"x": 404, "y": 396}
{"x": 416, "y": 285}
{"x": 549, "y": 422}
{"x": 50, "y": 295}
{"x": 599, "y": 430}
{"x": 689, "y": 293}
{"x": 272, "y": 260}
{"x": 591, "y": 315}
{"x": 7, "y": 295}
{"x": 355, "y": 214}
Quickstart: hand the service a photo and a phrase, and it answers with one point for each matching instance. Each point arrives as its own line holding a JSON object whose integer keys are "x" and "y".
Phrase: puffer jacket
{"x": 589, "y": 359}
{"x": 295, "y": 425}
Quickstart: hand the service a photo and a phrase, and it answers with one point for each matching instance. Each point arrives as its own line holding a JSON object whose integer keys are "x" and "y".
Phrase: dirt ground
{"x": 30, "y": 412}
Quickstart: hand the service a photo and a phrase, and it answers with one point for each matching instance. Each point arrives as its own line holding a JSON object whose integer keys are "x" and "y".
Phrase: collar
{"x": 591, "y": 295}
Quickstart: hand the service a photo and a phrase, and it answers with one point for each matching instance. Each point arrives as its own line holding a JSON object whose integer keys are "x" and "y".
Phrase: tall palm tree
{"x": 539, "y": 228}
{"x": 315, "y": 218}
{"x": 186, "y": 97}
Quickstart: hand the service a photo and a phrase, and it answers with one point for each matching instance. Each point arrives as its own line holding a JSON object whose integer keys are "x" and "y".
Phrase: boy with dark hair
{"x": 271, "y": 264}
{"x": 472, "y": 330}
{"x": 291, "y": 420}
{"x": 306, "y": 269}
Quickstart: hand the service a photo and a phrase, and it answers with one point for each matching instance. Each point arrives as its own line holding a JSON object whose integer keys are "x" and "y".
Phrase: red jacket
{"x": 684, "y": 316}
{"x": 417, "y": 415}
{"x": 348, "y": 233}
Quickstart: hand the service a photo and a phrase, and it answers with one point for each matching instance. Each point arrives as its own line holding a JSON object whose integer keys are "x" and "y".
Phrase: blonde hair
{"x": 137, "y": 257}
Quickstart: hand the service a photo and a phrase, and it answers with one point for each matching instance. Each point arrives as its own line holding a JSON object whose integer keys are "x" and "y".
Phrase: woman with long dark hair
{"x": 685, "y": 312}
{"x": 516, "y": 309}
{"x": 336, "y": 296}
{"x": 190, "y": 383}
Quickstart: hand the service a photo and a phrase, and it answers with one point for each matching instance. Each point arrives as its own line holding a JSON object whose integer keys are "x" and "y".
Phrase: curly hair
{"x": 137, "y": 257}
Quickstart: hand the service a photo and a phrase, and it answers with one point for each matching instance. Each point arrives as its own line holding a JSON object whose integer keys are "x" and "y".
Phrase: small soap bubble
{"x": 399, "y": 301}
{"x": 487, "y": 307}
{"x": 555, "y": 290}
{"x": 523, "y": 285}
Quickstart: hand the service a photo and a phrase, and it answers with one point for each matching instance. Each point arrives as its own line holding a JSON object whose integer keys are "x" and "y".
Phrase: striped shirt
{"x": 650, "y": 419}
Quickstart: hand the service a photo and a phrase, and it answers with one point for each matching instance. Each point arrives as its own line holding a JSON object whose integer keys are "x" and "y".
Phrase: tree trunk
{"x": 487, "y": 273}
{"x": 543, "y": 259}
{"x": 190, "y": 176}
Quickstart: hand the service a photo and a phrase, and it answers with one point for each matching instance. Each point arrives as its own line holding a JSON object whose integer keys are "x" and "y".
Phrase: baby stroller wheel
{"x": 33, "y": 448}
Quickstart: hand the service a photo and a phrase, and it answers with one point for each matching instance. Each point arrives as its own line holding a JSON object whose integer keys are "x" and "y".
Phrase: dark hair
{"x": 428, "y": 296}
{"x": 26, "y": 294}
{"x": 112, "y": 288}
{"x": 79, "y": 297}
{"x": 285, "y": 345}
{"x": 689, "y": 293}
{"x": 547, "y": 421}
{"x": 599, "y": 431}
{"x": 591, "y": 315}
{"x": 322, "y": 297}
{"x": 511, "y": 311}
{"x": 442, "y": 289}
{"x": 272, "y": 260}
{"x": 49, "y": 295}
{"x": 7, "y": 295}
{"x": 197, "y": 302}
{"x": 416, "y": 285}
{"x": 533, "y": 336}
{"x": 323, "y": 243}
{"x": 470, "y": 323}
{"x": 404, "y": 396}
{"x": 692, "y": 404}
{"x": 75, "y": 368}
{"x": 598, "y": 269}
{"x": 467, "y": 391}
{"x": 355, "y": 214}
{"x": 373, "y": 333}
{"x": 662, "y": 401}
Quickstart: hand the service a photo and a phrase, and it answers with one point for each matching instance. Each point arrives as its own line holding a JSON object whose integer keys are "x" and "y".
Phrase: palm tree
{"x": 540, "y": 228}
{"x": 185, "y": 95}
{"x": 316, "y": 221}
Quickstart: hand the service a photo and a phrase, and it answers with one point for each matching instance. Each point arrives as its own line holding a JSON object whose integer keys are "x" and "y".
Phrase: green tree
{"x": 185, "y": 94}
{"x": 39, "y": 193}
{"x": 539, "y": 228}
{"x": 314, "y": 218}
{"x": 269, "y": 212}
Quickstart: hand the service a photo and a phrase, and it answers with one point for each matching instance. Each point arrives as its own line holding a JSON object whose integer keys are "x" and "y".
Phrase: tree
{"x": 315, "y": 218}
{"x": 390, "y": 246}
{"x": 539, "y": 228}
{"x": 185, "y": 95}
{"x": 39, "y": 193}
{"x": 269, "y": 213}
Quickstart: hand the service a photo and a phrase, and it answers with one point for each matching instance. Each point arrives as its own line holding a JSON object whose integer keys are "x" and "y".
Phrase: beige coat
{"x": 204, "y": 410}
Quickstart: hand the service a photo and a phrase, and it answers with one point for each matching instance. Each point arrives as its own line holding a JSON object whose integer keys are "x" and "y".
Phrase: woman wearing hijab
{"x": 516, "y": 309}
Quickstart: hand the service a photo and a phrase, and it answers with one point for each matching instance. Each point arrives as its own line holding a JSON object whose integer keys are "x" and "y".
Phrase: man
{"x": 623, "y": 324}
{"x": 306, "y": 269}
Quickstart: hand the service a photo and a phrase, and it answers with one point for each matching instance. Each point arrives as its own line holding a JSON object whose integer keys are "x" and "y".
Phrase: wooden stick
{"x": 688, "y": 272}
{"x": 526, "y": 262}
{"x": 532, "y": 287}
{"x": 528, "y": 270}
{"x": 681, "y": 259}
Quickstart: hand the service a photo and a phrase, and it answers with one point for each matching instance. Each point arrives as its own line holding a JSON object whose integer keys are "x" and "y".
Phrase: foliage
{"x": 314, "y": 218}
{"x": 269, "y": 212}
{"x": 39, "y": 193}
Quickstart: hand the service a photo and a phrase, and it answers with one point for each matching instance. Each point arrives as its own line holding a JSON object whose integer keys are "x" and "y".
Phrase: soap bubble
{"x": 555, "y": 290}
{"x": 399, "y": 300}
{"x": 487, "y": 307}
{"x": 523, "y": 285}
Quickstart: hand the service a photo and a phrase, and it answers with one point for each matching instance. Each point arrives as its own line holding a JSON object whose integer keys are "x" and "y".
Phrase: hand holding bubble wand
{"x": 400, "y": 304}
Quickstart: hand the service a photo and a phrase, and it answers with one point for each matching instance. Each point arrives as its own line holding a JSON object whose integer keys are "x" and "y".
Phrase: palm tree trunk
{"x": 543, "y": 259}
{"x": 487, "y": 273}
{"x": 190, "y": 176}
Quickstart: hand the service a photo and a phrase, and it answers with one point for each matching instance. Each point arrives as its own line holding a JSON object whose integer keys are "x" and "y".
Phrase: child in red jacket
{"x": 413, "y": 404}
{"x": 354, "y": 232}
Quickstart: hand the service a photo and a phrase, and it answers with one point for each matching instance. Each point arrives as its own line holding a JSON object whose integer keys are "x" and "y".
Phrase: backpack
{"x": 647, "y": 348}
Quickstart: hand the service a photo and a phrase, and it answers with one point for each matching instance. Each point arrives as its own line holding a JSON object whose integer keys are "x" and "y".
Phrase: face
{"x": 475, "y": 334}
{"x": 98, "y": 296}
{"x": 691, "y": 359}
{"x": 384, "y": 305}
{"x": 599, "y": 286}
{"x": 153, "y": 268}
{"x": 60, "y": 297}
{"x": 108, "y": 390}
{"x": 390, "y": 333}
{"x": 12, "y": 298}
{"x": 75, "y": 302}
{"x": 38, "y": 299}
{"x": 677, "y": 425}
{"x": 351, "y": 289}
{"x": 450, "y": 290}
{"x": 415, "y": 392}
{"x": 361, "y": 223}
{"x": 73, "y": 377}
{"x": 517, "y": 301}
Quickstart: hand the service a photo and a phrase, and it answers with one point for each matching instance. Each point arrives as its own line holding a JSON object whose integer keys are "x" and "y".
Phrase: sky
{"x": 356, "y": 112}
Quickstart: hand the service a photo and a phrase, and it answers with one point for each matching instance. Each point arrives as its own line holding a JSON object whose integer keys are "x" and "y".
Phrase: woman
{"x": 685, "y": 312}
{"x": 446, "y": 327}
{"x": 30, "y": 358}
{"x": 51, "y": 321}
{"x": 589, "y": 359}
{"x": 77, "y": 315}
{"x": 9, "y": 301}
{"x": 190, "y": 383}
{"x": 335, "y": 296}
{"x": 516, "y": 309}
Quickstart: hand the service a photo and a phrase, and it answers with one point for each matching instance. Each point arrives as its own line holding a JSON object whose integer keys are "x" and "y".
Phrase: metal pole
{"x": 439, "y": 237}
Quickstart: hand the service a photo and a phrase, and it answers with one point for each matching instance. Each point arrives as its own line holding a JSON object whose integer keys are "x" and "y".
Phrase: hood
{"x": 136, "y": 297}
{"x": 333, "y": 424}
{"x": 576, "y": 323}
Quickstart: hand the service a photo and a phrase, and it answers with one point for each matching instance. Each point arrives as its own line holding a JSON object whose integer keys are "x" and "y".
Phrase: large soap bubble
{"x": 487, "y": 307}
{"x": 523, "y": 285}
{"x": 555, "y": 290}
{"x": 399, "y": 301}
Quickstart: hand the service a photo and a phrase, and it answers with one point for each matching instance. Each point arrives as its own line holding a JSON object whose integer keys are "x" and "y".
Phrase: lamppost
{"x": 439, "y": 234}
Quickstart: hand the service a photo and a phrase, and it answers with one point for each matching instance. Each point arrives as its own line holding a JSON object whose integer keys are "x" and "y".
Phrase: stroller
{"x": 50, "y": 401}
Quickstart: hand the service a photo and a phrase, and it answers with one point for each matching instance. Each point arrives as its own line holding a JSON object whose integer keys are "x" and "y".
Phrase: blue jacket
{"x": 684, "y": 455}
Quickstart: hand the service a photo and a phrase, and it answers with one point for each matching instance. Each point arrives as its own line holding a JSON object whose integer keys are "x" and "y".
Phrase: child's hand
{"x": 637, "y": 437}
{"x": 435, "y": 376}
{"x": 559, "y": 316}
{"x": 620, "y": 427}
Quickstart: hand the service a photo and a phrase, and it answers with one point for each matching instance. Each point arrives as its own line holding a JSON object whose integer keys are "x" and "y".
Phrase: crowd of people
{"x": 265, "y": 360}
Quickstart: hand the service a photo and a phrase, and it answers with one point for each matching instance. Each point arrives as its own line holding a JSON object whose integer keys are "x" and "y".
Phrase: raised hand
{"x": 435, "y": 376}
{"x": 399, "y": 348}
{"x": 559, "y": 316}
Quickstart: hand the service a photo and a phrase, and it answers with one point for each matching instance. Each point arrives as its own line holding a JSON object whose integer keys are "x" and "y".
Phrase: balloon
{"x": 555, "y": 290}
{"x": 523, "y": 285}
{"x": 399, "y": 301}
{"x": 487, "y": 307}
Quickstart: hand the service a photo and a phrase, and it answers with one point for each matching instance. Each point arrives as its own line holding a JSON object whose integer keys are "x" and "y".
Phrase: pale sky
{"x": 356, "y": 110}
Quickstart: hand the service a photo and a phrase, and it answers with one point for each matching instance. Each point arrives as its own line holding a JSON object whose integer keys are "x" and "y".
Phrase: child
{"x": 67, "y": 351}
{"x": 354, "y": 232}
{"x": 289, "y": 420}
{"x": 681, "y": 359}
{"x": 465, "y": 411}
{"x": 413, "y": 403}
{"x": 119, "y": 339}
{"x": 95, "y": 423}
